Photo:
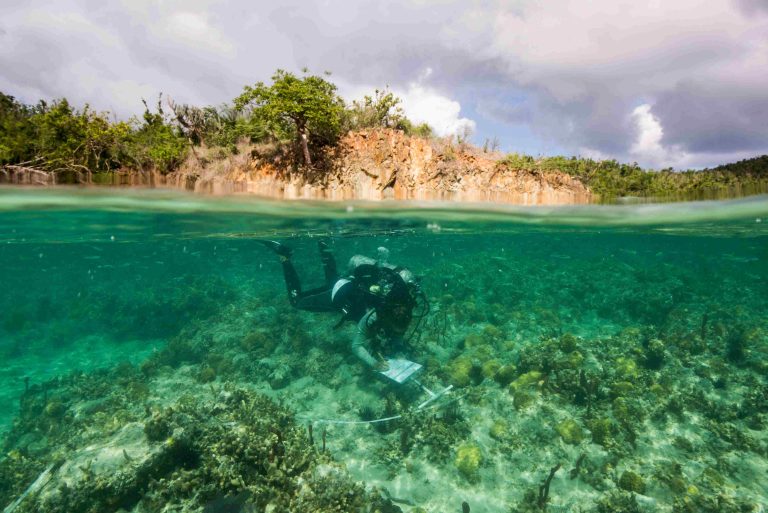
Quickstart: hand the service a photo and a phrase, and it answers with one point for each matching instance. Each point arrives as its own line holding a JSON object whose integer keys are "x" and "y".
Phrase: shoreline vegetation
{"x": 297, "y": 130}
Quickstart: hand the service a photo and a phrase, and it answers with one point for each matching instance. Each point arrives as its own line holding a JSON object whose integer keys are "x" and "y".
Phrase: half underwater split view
{"x": 164, "y": 352}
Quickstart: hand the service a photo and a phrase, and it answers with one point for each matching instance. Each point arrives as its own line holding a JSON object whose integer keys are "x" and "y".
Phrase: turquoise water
{"x": 628, "y": 344}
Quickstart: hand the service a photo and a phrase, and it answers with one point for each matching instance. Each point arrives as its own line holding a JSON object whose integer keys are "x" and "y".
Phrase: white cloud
{"x": 576, "y": 70}
{"x": 647, "y": 148}
{"x": 423, "y": 104}
{"x": 193, "y": 29}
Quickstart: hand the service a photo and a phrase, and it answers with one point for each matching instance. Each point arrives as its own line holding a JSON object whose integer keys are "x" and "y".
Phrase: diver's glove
{"x": 381, "y": 365}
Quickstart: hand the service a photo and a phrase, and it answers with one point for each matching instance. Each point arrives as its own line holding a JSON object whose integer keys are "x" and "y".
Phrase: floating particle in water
{"x": 112, "y": 238}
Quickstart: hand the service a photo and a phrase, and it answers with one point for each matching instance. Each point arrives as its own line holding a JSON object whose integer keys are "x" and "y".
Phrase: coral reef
{"x": 643, "y": 374}
{"x": 238, "y": 446}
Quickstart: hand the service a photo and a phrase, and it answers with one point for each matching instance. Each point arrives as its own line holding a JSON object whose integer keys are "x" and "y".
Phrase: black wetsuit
{"x": 317, "y": 299}
{"x": 352, "y": 296}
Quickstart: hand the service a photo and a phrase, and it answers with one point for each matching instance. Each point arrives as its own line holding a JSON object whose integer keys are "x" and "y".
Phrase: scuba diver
{"x": 383, "y": 299}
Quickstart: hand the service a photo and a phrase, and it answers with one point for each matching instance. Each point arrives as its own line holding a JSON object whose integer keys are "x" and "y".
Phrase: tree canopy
{"x": 308, "y": 106}
{"x": 287, "y": 121}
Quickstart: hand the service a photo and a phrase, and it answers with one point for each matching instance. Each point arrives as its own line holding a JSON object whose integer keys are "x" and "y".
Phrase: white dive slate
{"x": 400, "y": 369}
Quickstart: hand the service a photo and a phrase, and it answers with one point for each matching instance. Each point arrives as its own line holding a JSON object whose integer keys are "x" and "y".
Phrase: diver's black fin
{"x": 279, "y": 249}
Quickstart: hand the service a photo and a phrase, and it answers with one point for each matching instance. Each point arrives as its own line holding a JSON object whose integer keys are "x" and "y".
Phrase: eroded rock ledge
{"x": 387, "y": 164}
{"x": 366, "y": 165}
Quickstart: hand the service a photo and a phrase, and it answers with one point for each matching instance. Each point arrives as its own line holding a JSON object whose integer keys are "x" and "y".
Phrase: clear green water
{"x": 667, "y": 304}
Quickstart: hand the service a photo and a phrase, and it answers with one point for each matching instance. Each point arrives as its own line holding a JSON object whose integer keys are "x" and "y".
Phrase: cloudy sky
{"x": 679, "y": 83}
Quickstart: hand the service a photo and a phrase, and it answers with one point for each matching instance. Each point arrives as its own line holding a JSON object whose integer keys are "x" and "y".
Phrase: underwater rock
{"x": 55, "y": 409}
{"x": 626, "y": 369}
{"x": 490, "y": 368}
{"x": 694, "y": 501}
{"x": 206, "y": 375}
{"x": 474, "y": 341}
{"x": 39, "y": 446}
{"x": 570, "y": 431}
{"x": 655, "y": 354}
{"x": 528, "y": 380}
{"x": 434, "y": 436}
{"x": 601, "y": 429}
{"x": 523, "y": 399}
{"x": 631, "y": 482}
{"x": 618, "y": 502}
{"x": 574, "y": 360}
{"x": 499, "y": 430}
{"x": 259, "y": 343}
{"x": 622, "y": 388}
{"x": 468, "y": 459}
{"x": 568, "y": 343}
{"x": 460, "y": 371}
{"x": 280, "y": 377}
{"x": 505, "y": 375}
{"x": 626, "y": 412}
{"x": 229, "y": 504}
{"x": 492, "y": 334}
{"x": 157, "y": 428}
{"x": 328, "y": 488}
{"x": 103, "y": 476}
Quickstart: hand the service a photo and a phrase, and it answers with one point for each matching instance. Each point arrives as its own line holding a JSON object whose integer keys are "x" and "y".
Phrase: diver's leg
{"x": 319, "y": 299}
{"x": 316, "y": 300}
{"x": 329, "y": 263}
{"x": 292, "y": 282}
{"x": 278, "y": 248}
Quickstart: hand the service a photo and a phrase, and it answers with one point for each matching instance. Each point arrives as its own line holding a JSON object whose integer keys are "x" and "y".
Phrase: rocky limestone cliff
{"x": 365, "y": 165}
{"x": 386, "y": 164}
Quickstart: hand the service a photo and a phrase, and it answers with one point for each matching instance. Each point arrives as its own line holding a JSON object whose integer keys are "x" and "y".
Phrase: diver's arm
{"x": 361, "y": 337}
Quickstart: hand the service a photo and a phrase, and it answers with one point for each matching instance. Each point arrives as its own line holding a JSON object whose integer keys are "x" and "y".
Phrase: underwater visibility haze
{"x": 602, "y": 358}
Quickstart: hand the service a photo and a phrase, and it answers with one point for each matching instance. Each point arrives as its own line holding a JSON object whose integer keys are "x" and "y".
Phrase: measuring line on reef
{"x": 35, "y": 487}
{"x": 426, "y": 405}
{"x": 347, "y": 422}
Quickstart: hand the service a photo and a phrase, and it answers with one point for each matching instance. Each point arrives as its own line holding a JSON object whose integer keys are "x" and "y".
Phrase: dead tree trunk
{"x": 304, "y": 145}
